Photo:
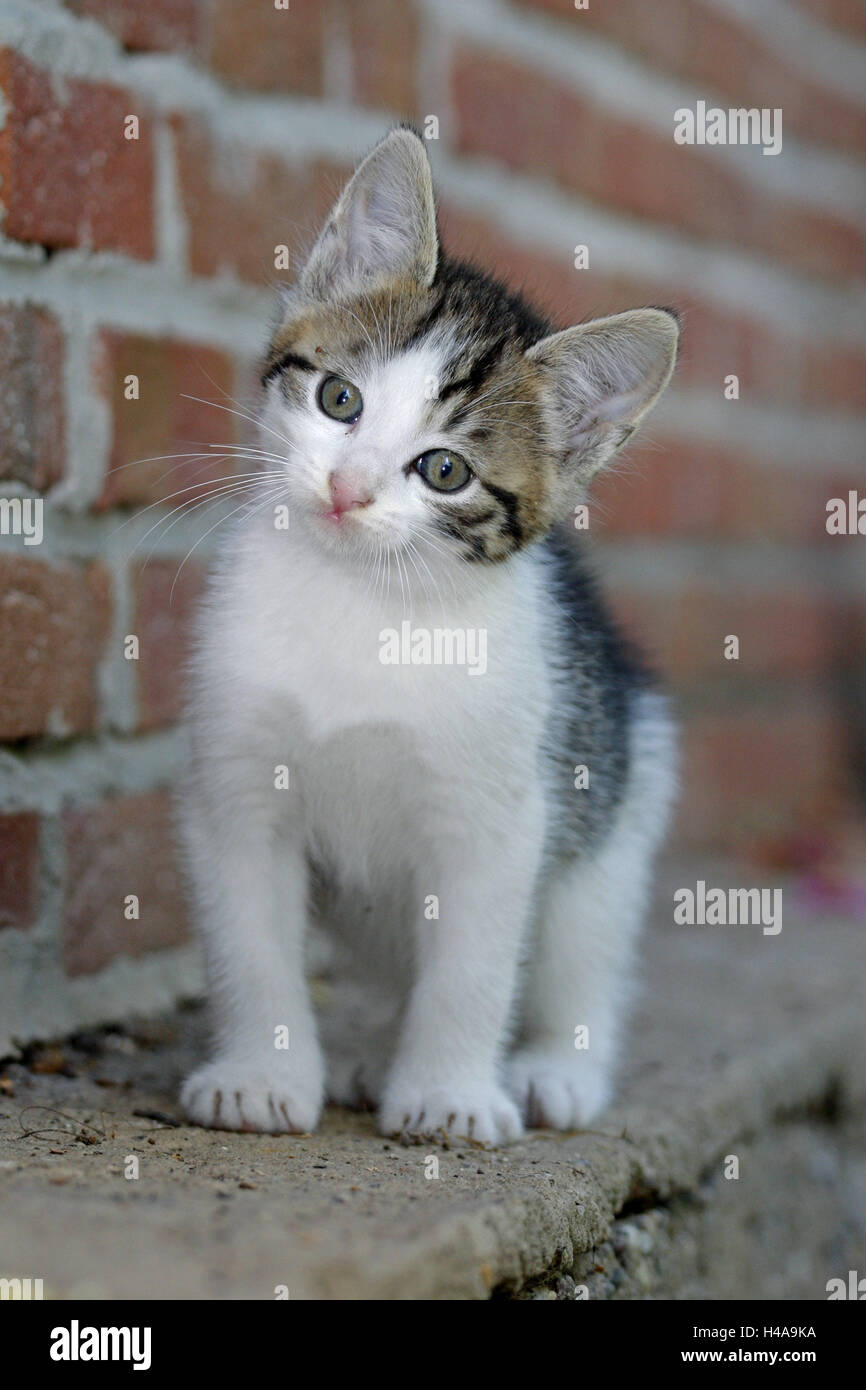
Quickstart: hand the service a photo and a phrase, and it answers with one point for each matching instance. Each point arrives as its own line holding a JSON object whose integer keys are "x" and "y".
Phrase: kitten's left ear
{"x": 604, "y": 376}
{"x": 383, "y": 224}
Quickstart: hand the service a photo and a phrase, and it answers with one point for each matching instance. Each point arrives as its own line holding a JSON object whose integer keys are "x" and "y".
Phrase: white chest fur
{"x": 388, "y": 711}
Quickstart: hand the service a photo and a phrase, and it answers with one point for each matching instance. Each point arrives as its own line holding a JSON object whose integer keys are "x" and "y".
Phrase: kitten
{"x": 427, "y": 432}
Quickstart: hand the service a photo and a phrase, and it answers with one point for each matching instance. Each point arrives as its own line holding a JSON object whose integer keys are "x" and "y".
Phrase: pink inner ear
{"x": 610, "y": 371}
{"x": 619, "y": 408}
{"x": 384, "y": 221}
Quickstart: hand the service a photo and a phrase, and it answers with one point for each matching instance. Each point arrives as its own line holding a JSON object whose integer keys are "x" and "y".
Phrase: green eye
{"x": 444, "y": 471}
{"x": 340, "y": 399}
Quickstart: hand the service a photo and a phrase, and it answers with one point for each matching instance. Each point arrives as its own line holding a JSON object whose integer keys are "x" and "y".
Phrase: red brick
{"x": 783, "y": 636}
{"x": 240, "y": 204}
{"x": 384, "y": 38}
{"x": 773, "y": 364}
{"x": 155, "y": 26}
{"x": 695, "y": 40}
{"x": 19, "y": 869}
{"x": 269, "y": 49}
{"x": 668, "y": 486}
{"x": 760, "y": 771}
{"x": 53, "y": 625}
{"x": 32, "y": 417}
{"x": 125, "y": 846}
{"x": 163, "y": 623}
{"x": 68, "y": 177}
{"x": 164, "y": 421}
{"x": 835, "y": 375}
{"x": 508, "y": 111}
{"x": 848, "y": 15}
{"x": 811, "y": 241}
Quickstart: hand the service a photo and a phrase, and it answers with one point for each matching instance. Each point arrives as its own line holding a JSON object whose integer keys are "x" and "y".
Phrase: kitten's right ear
{"x": 383, "y": 224}
{"x": 603, "y": 377}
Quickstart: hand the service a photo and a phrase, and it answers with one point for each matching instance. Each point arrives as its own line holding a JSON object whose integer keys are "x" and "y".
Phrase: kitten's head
{"x": 426, "y": 409}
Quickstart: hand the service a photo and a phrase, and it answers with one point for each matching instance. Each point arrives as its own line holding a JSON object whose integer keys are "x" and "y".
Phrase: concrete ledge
{"x": 746, "y": 1045}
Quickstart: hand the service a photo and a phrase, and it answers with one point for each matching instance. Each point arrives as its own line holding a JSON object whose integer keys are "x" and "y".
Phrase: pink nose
{"x": 346, "y": 494}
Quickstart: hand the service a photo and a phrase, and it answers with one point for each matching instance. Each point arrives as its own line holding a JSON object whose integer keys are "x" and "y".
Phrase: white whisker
{"x": 277, "y": 492}
{"x": 184, "y": 509}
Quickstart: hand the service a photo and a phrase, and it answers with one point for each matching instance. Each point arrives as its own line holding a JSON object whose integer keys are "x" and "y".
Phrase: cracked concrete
{"x": 746, "y": 1046}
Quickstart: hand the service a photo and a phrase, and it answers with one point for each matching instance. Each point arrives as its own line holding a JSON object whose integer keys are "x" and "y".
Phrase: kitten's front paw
{"x": 479, "y": 1111}
{"x": 556, "y": 1091}
{"x": 243, "y": 1094}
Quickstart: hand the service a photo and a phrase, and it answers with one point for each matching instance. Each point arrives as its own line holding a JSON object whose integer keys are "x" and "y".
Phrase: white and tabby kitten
{"x": 480, "y": 902}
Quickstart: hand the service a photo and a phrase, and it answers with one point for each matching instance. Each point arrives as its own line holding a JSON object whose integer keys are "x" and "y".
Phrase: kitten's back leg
{"x": 577, "y": 985}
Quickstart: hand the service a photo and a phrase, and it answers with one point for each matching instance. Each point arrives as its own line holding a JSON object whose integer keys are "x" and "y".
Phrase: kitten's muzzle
{"x": 347, "y": 494}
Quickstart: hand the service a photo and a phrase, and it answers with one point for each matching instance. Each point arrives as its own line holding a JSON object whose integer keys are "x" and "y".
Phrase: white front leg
{"x": 251, "y": 891}
{"x": 445, "y": 1076}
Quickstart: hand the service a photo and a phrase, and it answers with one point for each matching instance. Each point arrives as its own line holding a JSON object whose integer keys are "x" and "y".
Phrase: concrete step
{"x": 746, "y": 1046}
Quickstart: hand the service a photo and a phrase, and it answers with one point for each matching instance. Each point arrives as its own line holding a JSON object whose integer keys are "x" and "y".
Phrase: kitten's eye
{"x": 340, "y": 399}
{"x": 444, "y": 471}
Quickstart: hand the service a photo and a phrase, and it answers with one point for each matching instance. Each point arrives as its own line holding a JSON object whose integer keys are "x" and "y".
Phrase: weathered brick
{"x": 384, "y": 39}
{"x": 123, "y": 847}
{"x": 762, "y": 770}
{"x": 834, "y": 376}
{"x": 19, "y": 869}
{"x": 274, "y": 50}
{"x": 163, "y": 623}
{"x": 509, "y": 111}
{"x": 53, "y": 624}
{"x": 668, "y": 486}
{"x": 164, "y": 421}
{"x": 32, "y": 417}
{"x": 811, "y": 241}
{"x": 782, "y": 636}
{"x": 699, "y": 42}
{"x": 68, "y": 177}
{"x": 848, "y": 15}
{"x": 241, "y": 204}
{"x": 158, "y": 25}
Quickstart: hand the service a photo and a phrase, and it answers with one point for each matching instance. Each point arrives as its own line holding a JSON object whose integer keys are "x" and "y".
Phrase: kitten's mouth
{"x": 340, "y": 529}
{"x": 341, "y": 522}
{"x": 350, "y": 533}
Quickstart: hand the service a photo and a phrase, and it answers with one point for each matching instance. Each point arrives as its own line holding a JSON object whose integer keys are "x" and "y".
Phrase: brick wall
{"x": 154, "y": 257}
